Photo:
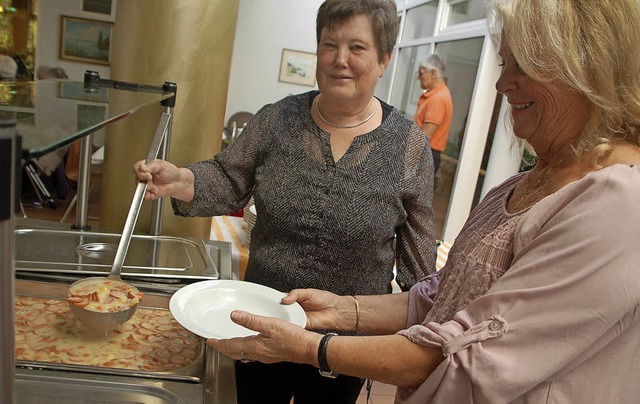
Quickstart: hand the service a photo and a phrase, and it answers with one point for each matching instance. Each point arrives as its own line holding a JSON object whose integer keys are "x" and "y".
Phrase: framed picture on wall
{"x": 84, "y": 40}
{"x": 97, "y": 6}
{"x": 298, "y": 67}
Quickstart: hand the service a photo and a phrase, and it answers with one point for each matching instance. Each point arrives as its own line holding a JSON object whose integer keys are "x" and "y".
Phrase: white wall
{"x": 48, "y": 41}
{"x": 264, "y": 28}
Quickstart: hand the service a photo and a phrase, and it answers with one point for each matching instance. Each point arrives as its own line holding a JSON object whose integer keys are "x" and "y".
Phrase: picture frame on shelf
{"x": 298, "y": 67}
{"x": 85, "y": 40}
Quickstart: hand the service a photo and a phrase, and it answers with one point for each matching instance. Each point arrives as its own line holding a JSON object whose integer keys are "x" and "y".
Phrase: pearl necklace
{"x": 367, "y": 119}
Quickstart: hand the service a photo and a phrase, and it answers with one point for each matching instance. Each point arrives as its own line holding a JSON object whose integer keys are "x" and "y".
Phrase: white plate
{"x": 204, "y": 308}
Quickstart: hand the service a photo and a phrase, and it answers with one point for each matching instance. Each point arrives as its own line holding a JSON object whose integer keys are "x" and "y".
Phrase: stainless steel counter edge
{"x": 36, "y": 385}
{"x": 221, "y": 371}
{"x": 223, "y": 389}
{"x": 54, "y": 385}
{"x": 8, "y": 160}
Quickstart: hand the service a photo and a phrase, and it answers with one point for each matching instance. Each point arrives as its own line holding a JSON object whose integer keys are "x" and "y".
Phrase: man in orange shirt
{"x": 435, "y": 107}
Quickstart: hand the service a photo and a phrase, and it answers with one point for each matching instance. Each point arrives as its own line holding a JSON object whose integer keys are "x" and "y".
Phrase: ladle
{"x": 107, "y": 321}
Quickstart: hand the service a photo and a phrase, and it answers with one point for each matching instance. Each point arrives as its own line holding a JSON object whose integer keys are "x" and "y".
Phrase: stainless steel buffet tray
{"x": 208, "y": 380}
{"x": 53, "y": 387}
{"x": 53, "y": 295}
{"x": 91, "y": 253}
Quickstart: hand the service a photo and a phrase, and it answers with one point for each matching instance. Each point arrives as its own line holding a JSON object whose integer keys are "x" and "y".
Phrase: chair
{"x": 33, "y": 174}
{"x": 240, "y": 118}
{"x": 236, "y": 123}
{"x": 97, "y": 158}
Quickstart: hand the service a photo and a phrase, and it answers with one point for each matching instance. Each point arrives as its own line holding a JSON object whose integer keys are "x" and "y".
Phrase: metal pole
{"x": 8, "y": 157}
{"x": 84, "y": 172}
{"x": 138, "y": 198}
{"x": 167, "y": 108}
{"x": 158, "y": 204}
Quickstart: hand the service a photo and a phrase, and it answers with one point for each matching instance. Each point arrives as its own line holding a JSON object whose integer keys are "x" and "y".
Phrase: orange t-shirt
{"x": 436, "y": 106}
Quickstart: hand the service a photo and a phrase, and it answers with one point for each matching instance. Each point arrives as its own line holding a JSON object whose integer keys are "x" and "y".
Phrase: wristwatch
{"x": 325, "y": 370}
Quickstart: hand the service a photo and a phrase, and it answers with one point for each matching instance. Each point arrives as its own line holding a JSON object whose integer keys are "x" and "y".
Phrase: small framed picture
{"x": 298, "y": 67}
{"x": 97, "y": 6}
{"x": 84, "y": 40}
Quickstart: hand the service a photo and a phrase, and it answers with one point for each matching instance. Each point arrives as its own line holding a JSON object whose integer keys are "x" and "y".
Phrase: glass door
{"x": 461, "y": 60}
{"x": 472, "y": 161}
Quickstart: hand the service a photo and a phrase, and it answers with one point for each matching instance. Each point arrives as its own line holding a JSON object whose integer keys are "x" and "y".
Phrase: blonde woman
{"x": 540, "y": 297}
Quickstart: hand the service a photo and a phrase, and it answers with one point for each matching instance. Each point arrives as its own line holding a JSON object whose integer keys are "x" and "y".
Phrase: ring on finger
{"x": 244, "y": 359}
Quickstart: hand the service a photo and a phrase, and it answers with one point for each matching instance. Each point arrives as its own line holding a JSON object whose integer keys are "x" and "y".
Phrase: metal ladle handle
{"x": 138, "y": 198}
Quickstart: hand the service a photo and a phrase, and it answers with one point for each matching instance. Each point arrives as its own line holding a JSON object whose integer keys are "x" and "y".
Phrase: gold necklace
{"x": 533, "y": 192}
{"x": 333, "y": 125}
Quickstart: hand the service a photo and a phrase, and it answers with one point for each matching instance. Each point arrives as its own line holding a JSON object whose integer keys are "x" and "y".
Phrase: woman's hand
{"x": 374, "y": 314}
{"x": 325, "y": 310}
{"x": 397, "y": 360}
{"x": 165, "y": 179}
{"x": 272, "y": 344}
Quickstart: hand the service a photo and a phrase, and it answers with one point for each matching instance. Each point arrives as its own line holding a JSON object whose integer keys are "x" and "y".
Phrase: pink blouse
{"x": 541, "y": 306}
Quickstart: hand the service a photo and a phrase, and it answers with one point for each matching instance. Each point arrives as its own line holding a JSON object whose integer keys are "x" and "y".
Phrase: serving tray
{"x": 151, "y": 344}
{"x": 93, "y": 253}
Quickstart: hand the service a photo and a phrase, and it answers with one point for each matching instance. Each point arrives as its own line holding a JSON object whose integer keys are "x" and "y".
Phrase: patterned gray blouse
{"x": 321, "y": 223}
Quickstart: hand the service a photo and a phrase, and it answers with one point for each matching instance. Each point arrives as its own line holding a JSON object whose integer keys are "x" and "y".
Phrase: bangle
{"x": 355, "y": 328}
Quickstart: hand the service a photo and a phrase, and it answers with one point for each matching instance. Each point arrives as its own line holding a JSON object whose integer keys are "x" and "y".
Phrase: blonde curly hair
{"x": 590, "y": 46}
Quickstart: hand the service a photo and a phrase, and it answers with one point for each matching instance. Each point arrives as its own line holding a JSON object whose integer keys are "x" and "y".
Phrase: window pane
{"x": 384, "y": 84}
{"x": 461, "y": 59}
{"x": 420, "y": 21}
{"x": 407, "y": 90}
{"x": 464, "y": 11}
{"x": 461, "y": 65}
{"x": 487, "y": 150}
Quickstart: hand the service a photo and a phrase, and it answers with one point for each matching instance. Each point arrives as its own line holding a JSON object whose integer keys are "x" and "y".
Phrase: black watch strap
{"x": 325, "y": 370}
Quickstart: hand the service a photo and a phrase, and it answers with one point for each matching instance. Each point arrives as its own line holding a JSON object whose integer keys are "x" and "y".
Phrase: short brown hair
{"x": 382, "y": 13}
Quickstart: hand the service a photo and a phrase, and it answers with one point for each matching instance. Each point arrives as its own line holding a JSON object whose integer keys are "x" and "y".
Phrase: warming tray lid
{"x": 93, "y": 253}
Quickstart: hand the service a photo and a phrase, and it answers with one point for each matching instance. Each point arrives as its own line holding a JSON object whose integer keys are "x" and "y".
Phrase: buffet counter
{"x": 60, "y": 361}
{"x": 45, "y": 354}
{"x": 151, "y": 358}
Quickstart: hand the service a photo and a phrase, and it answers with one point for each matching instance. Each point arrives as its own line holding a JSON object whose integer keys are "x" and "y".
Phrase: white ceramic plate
{"x": 204, "y": 308}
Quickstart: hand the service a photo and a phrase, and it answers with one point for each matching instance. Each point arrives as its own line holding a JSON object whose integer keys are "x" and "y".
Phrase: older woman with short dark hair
{"x": 342, "y": 184}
